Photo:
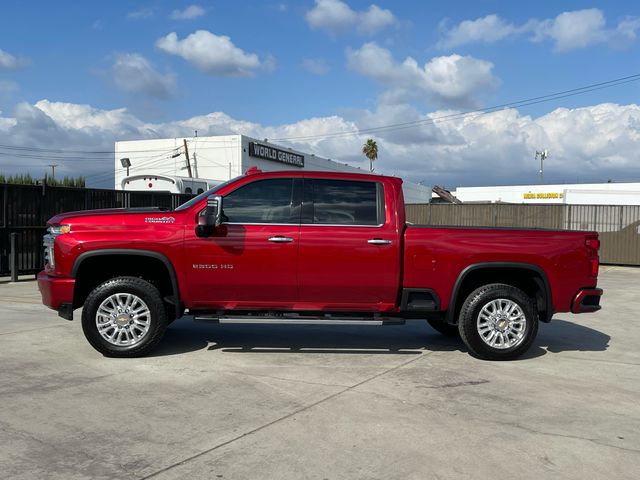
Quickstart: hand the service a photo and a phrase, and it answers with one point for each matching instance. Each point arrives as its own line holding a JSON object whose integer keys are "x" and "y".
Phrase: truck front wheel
{"x": 124, "y": 317}
{"x": 498, "y": 322}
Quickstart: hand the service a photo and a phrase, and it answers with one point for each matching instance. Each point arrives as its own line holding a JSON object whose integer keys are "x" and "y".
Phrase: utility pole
{"x": 186, "y": 154}
{"x": 53, "y": 171}
{"x": 195, "y": 159}
{"x": 195, "y": 165}
{"x": 543, "y": 154}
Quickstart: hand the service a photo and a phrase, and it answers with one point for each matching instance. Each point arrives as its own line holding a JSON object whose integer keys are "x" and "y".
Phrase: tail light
{"x": 594, "y": 266}
{"x": 593, "y": 245}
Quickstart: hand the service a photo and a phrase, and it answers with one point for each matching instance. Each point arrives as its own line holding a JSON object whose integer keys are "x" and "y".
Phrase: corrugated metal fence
{"x": 618, "y": 225}
{"x": 25, "y": 209}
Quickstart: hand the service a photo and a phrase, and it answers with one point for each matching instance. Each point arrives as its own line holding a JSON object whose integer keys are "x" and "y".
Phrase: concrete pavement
{"x": 298, "y": 402}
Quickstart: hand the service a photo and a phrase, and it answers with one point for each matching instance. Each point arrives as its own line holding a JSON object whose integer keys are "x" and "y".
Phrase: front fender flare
{"x": 141, "y": 253}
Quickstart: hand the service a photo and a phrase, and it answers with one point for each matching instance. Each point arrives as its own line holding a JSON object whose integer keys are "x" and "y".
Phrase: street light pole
{"x": 126, "y": 163}
{"x": 543, "y": 154}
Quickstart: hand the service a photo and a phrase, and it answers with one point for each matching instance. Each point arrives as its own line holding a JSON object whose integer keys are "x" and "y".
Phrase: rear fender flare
{"x": 541, "y": 280}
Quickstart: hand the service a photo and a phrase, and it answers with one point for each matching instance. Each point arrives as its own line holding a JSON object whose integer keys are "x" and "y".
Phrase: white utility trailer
{"x": 167, "y": 183}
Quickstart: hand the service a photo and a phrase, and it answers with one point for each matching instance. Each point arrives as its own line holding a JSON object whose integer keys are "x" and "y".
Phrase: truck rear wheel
{"x": 124, "y": 317}
{"x": 498, "y": 322}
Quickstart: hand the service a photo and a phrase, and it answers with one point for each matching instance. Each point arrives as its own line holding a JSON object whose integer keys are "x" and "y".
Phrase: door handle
{"x": 280, "y": 239}
{"x": 379, "y": 241}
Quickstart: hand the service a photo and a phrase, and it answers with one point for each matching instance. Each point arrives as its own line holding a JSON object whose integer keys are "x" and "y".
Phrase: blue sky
{"x": 286, "y": 69}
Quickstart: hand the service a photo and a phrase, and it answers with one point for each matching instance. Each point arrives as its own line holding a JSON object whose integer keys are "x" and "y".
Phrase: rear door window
{"x": 344, "y": 202}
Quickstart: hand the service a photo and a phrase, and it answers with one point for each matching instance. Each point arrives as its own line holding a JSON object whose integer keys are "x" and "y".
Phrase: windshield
{"x": 204, "y": 195}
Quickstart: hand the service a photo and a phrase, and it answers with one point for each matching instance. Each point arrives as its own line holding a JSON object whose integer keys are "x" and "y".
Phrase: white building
{"x": 576, "y": 194}
{"x": 220, "y": 158}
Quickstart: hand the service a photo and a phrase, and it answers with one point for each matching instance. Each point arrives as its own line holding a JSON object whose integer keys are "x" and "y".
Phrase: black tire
{"x": 444, "y": 328}
{"x": 470, "y": 312}
{"x": 157, "y": 318}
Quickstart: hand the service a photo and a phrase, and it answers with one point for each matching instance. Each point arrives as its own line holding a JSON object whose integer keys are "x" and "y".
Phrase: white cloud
{"x": 487, "y": 29}
{"x": 577, "y": 29}
{"x": 316, "y": 66}
{"x": 596, "y": 143}
{"x": 458, "y": 79}
{"x": 211, "y": 54}
{"x": 131, "y": 72}
{"x": 627, "y": 28}
{"x": 189, "y": 13}
{"x": 11, "y": 62}
{"x": 73, "y": 116}
{"x": 337, "y": 17}
{"x": 374, "y": 19}
{"x": 568, "y": 31}
{"x": 7, "y": 89}
{"x": 140, "y": 14}
{"x": 448, "y": 80}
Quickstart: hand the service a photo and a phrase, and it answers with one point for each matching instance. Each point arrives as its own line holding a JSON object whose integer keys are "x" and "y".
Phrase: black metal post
{"x": 13, "y": 263}
{"x": 5, "y": 207}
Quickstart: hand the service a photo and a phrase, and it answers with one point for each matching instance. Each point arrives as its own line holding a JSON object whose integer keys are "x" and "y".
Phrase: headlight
{"x": 59, "y": 229}
{"x": 48, "y": 242}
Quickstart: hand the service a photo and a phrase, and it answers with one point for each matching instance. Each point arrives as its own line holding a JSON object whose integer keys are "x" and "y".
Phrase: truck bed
{"x": 441, "y": 254}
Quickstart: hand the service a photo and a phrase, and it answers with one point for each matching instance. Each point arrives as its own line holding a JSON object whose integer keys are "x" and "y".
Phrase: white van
{"x": 165, "y": 183}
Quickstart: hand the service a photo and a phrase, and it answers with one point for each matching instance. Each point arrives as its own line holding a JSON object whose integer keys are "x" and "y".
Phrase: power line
{"x": 477, "y": 112}
{"x": 168, "y": 170}
{"x": 109, "y": 158}
{"x": 83, "y": 152}
{"x": 32, "y": 152}
{"x": 72, "y": 159}
{"x": 393, "y": 126}
{"x": 144, "y": 163}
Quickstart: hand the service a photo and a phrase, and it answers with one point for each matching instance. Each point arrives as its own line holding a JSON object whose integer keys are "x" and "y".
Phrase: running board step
{"x": 248, "y": 319}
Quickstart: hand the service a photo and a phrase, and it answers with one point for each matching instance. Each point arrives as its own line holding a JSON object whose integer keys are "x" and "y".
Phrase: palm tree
{"x": 370, "y": 150}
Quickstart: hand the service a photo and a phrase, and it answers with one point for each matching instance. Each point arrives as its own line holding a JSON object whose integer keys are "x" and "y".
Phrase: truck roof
{"x": 320, "y": 174}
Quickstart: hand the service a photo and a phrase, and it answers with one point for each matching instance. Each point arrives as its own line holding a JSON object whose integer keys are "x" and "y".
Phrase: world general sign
{"x": 269, "y": 153}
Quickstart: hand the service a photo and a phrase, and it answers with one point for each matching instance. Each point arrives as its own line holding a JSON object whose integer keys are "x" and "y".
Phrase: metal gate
{"x": 25, "y": 209}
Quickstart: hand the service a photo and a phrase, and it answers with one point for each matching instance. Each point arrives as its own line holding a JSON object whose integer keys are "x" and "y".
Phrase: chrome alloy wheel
{"x": 123, "y": 319}
{"x": 502, "y": 324}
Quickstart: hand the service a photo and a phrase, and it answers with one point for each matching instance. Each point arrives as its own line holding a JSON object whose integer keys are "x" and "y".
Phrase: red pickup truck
{"x": 310, "y": 247}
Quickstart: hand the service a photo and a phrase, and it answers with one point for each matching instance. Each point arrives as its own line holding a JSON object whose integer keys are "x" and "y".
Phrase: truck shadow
{"x": 412, "y": 339}
{"x": 563, "y": 336}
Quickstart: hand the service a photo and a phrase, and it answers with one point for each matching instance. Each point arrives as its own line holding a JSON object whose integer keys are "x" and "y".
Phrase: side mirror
{"x": 210, "y": 217}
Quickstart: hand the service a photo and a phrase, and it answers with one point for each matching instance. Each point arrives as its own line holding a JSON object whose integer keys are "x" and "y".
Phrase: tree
{"x": 27, "y": 179}
{"x": 370, "y": 150}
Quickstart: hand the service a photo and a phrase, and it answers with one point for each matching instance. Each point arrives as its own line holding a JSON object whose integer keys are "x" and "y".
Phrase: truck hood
{"x": 67, "y": 216}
